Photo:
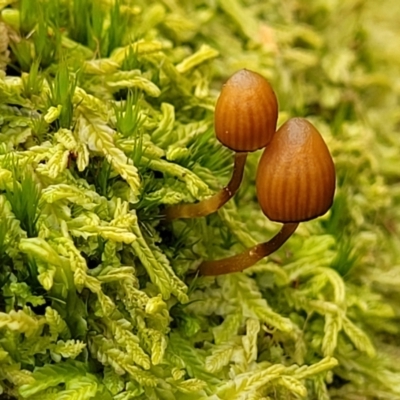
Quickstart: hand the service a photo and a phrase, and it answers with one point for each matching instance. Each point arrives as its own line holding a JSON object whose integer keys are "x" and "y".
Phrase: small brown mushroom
{"x": 246, "y": 112}
{"x": 245, "y": 120}
{"x": 295, "y": 182}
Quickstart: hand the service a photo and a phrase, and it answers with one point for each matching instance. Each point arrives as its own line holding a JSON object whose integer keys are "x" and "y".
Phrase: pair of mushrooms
{"x": 295, "y": 179}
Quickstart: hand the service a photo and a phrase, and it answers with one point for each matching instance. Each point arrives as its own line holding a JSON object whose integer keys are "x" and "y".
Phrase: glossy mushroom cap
{"x": 246, "y": 112}
{"x": 296, "y": 176}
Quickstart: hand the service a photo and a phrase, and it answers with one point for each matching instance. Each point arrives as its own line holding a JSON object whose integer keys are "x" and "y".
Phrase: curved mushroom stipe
{"x": 250, "y": 256}
{"x": 213, "y": 203}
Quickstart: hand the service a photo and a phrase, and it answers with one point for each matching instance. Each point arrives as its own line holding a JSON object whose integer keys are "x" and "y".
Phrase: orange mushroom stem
{"x": 295, "y": 182}
{"x": 249, "y": 257}
{"x": 245, "y": 120}
{"x": 213, "y": 203}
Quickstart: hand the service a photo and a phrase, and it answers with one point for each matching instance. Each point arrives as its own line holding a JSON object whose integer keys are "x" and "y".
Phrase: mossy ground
{"x": 106, "y": 117}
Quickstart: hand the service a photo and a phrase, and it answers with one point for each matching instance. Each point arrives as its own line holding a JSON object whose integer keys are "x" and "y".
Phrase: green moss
{"x": 106, "y": 113}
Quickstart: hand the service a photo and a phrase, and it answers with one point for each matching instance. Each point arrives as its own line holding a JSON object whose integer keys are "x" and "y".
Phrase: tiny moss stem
{"x": 213, "y": 203}
{"x": 250, "y": 256}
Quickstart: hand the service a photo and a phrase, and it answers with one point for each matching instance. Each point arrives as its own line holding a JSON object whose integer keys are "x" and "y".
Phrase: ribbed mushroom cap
{"x": 246, "y": 112}
{"x": 296, "y": 176}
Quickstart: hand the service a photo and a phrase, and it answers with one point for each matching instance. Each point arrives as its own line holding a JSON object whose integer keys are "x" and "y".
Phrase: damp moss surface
{"x": 106, "y": 118}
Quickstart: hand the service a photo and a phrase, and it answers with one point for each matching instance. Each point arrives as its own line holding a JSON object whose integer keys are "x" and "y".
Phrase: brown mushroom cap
{"x": 246, "y": 112}
{"x": 296, "y": 176}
